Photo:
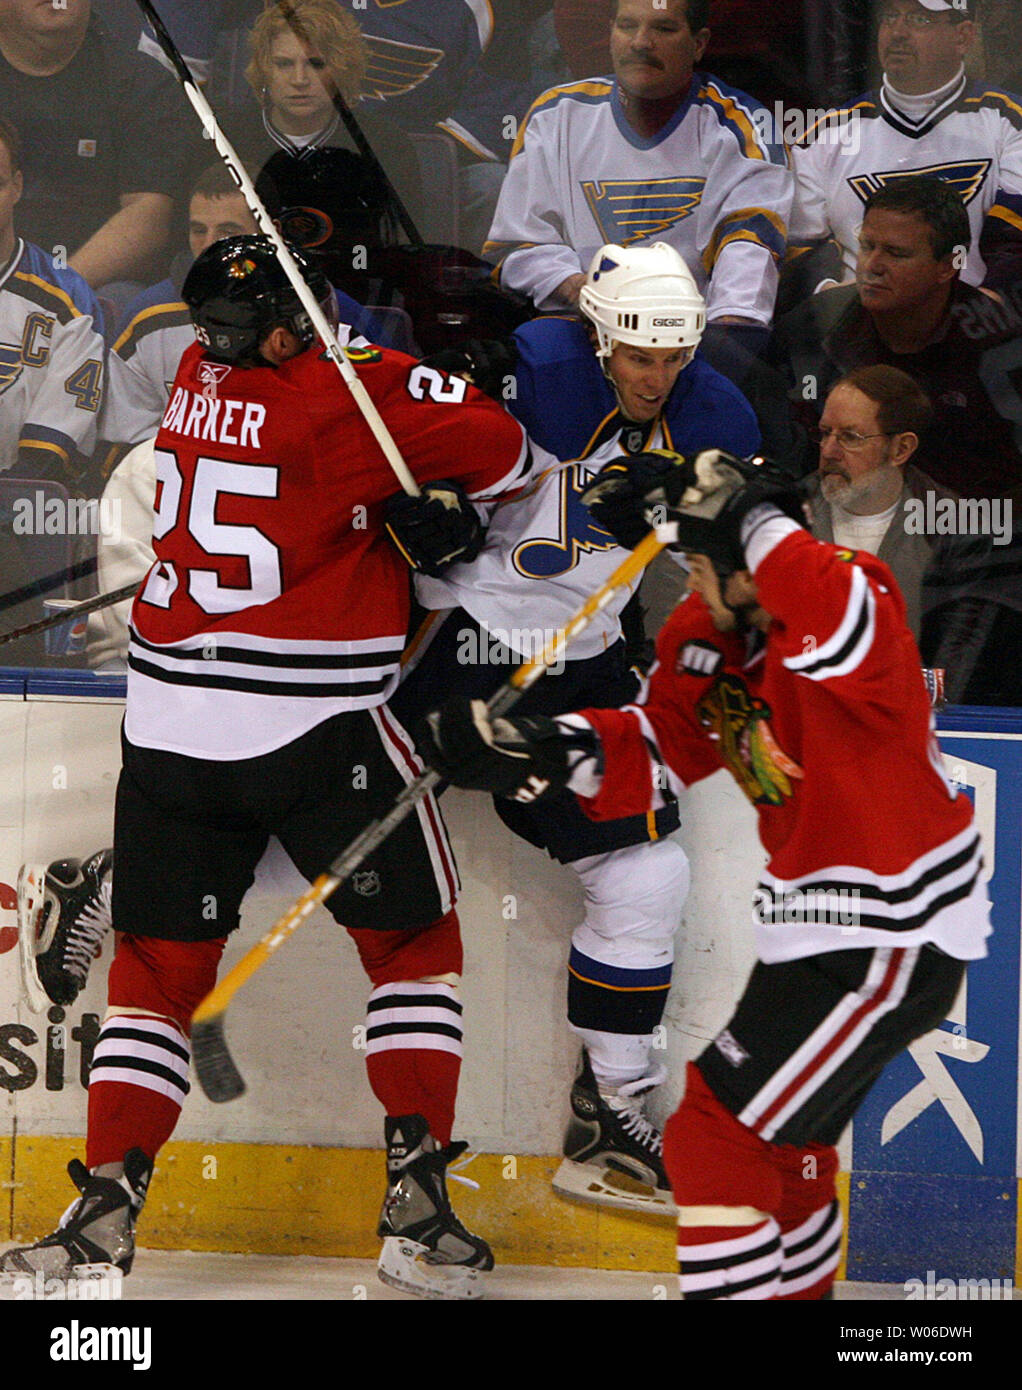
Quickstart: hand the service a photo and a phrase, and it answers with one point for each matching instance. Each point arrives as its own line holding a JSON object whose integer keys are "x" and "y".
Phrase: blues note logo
{"x": 578, "y": 533}
{"x": 396, "y": 68}
{"x": 630, "y": 210}
{"x": 967, "y": 177}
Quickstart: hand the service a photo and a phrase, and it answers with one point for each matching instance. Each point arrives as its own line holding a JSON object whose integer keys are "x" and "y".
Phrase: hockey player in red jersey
{"x": 264, "y": 643}
{"x": 791, "y": 666}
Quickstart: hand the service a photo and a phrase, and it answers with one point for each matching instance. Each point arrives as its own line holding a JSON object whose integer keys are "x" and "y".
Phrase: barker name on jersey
{"x": 270, "y": 499}
{"x": 200, "y": 416}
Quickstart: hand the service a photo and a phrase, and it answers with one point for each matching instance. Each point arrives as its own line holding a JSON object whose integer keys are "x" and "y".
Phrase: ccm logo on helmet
{"x": 669, "y": 323}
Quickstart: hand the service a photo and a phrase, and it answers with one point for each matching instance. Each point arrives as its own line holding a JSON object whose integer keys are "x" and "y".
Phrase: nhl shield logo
{"x": 366, "y": 884}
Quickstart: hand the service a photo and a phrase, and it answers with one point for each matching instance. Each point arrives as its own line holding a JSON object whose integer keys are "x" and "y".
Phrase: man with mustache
{"x": 927, "y": 117}
{"x": 661, "y": 153}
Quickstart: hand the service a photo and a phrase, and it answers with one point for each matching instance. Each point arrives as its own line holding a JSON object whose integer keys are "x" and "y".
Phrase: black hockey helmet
{"x": 237, "y": 292}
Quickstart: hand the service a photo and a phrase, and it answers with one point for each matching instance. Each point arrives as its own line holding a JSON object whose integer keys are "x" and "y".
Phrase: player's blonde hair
{"x": 325, "y": 29}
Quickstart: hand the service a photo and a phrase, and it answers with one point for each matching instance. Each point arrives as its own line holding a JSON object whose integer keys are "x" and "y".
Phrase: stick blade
{"x": 218, "y": 1076}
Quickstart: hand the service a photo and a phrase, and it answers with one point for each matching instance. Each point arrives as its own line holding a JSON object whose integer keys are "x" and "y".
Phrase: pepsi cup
{"x": 67, "y": 638}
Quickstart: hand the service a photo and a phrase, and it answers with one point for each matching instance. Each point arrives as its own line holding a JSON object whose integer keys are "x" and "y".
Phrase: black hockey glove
{"x": 706, "y": 501}
{"x": 486, "y": 363}
{"x": 720, "y": 492}
{"x": 623, "y": 490}
{"x": 523, "y": 757}
{"x": 435, "y": 529}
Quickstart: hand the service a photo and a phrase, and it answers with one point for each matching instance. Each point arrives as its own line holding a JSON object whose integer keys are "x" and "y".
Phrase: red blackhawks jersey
{"x": 827, "y": 728}
{"x": 276, "y": 599}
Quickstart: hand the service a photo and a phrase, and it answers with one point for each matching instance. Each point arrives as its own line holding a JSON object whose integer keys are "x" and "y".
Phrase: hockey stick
{"x": 87, "y": 605}
{"x": 214, "y": 1066}
{"x": 38, "y": 587}
{"x": 237, "y": 171}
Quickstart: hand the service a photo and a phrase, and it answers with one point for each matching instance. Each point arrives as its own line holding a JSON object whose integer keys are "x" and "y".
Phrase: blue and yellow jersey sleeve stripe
{"x": 758, "y": 225}
{"x": 588, "y": 92}
{"x": 735, "y": 117}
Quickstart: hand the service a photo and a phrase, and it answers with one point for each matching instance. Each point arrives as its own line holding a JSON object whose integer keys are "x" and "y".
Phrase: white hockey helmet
{"x": 644, "y": 296}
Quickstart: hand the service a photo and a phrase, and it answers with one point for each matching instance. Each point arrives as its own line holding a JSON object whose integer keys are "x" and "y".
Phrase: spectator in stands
{"x": 51, "y": 354}
{"x": 926, "y": 118}
{"x": 911, "y": 309}
{"x": 868, "y": 495}
{"x": 330, "y": 197}
{"x": 51, "y": 387}
{"x": 659, "y": 153}
{"x": 426, "y": 71}
{"x": 753, "y": 46}
{"x": 105, "y": 147}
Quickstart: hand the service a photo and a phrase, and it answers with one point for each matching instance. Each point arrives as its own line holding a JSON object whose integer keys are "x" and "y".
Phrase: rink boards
{"x": 930, "y": 1170}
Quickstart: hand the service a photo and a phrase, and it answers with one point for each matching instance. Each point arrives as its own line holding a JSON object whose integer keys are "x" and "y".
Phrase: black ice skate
{"x": 95, "y": 1238}
{"x": 426, "y": 1249}
{"x": 613, "y": 1155}
{"x": 63, "y": 916}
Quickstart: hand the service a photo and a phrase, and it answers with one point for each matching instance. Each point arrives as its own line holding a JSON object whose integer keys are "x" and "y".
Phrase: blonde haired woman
{"x": 307, "y": 64}
{"x": 302, "y": 52}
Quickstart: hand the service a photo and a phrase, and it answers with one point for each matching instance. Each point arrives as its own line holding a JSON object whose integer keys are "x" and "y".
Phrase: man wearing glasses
{"x": 927, "y": 117}
{"x": 871, "y": 426}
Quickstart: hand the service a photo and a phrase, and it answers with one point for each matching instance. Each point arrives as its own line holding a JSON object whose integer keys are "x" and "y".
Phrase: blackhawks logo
{"x": 740, "y": 722}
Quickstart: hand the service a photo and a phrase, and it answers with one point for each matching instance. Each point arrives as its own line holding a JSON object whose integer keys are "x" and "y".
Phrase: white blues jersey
{"x": 708, "y": 184}
{"x": 51, "y": 363}
{"x": 143, "y": 363}
{"x": 544, "y": 555}
{"x": 144, "y": 359}
{"x": 972, "y": 139}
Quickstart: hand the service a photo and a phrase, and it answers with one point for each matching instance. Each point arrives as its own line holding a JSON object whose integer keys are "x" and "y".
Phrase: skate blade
{"x": 603, "y": 1186}
{"x": 31, "y": 888}
{"x": 402, "y": 1266}
{"x": 88, "y": 1284}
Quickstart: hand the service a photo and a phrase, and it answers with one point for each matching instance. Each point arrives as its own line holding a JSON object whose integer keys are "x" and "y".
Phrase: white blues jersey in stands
{"x": 51, "y": 363}
{"x": 708, "y": 184}
{"x": 146, "y": 354}
{"x": 972, "y": 138}
{"x": 544, "y": 555}
{"x": 143, "y": 363}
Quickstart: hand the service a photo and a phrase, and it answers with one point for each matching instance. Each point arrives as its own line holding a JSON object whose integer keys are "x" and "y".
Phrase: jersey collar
{"x": 916, "y": 129}
{"x": 322, "y": 137}
{"x": 641, "y": 142}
